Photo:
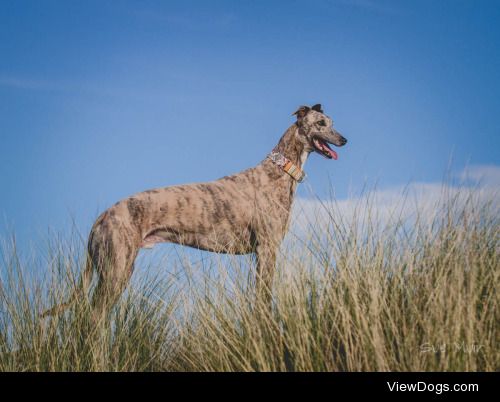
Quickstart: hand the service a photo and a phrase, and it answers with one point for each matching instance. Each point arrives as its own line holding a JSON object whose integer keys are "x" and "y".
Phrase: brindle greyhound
{"x": 244, "y": 213}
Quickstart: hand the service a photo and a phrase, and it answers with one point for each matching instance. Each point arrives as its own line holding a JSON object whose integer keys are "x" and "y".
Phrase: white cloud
{"x": 486, "y": 175}
{"x": 30, "y": 84}
{"x": 188, "y": 21}
{"x": 371, "y": 6}
{"x": 422, "y": 201}
{"x": 45, "y": 85}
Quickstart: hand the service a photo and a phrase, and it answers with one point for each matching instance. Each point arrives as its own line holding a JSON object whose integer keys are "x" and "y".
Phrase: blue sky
{"x": 102, "y": 99}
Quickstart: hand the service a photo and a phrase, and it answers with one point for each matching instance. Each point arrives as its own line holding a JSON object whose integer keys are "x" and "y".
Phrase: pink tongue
{"x": 333, "y": 154}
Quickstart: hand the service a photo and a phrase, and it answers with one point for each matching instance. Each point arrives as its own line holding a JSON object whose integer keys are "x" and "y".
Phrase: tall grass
{"x": 352, "y": 292}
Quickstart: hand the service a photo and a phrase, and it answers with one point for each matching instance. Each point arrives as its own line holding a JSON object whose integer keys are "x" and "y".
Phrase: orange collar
{"x": 285, "y": 164}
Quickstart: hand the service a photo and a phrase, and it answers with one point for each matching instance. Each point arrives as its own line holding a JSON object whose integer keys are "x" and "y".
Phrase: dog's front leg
{"x": 266, "y": 261}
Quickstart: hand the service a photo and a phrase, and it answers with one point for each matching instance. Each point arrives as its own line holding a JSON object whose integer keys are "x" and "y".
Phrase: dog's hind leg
{"x": 114, "y": 277}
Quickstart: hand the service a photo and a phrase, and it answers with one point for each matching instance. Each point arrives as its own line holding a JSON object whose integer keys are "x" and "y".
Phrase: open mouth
{"x": 324, "y": 149}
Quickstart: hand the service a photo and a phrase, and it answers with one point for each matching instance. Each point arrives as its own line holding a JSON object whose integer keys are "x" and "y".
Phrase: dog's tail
{"x": 79, "y": 291}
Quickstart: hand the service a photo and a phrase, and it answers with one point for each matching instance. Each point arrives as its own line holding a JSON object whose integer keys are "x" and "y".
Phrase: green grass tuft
{"x": 352, "y": 294}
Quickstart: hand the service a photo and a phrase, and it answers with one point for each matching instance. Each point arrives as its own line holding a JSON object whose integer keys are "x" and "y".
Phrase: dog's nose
{"x": 343, "y": 141}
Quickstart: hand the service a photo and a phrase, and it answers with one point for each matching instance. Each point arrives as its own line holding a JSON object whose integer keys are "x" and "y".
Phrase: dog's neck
{"x": 292, "y": 148}
{"x": 282, "y": 186}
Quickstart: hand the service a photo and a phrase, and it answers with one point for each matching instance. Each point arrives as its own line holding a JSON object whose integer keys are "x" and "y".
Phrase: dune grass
{"x": 351, "y": 293}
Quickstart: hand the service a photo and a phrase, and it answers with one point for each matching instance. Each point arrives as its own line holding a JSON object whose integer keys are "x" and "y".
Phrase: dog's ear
{"x": 317, "y": 108}
{"x": 301, "y": 112}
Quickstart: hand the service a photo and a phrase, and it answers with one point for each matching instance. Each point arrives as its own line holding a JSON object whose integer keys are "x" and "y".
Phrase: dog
{"x": 244, "y": 213}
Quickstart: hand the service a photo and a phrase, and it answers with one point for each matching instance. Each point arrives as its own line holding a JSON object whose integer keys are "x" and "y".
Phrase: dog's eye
{"x": 322, "y": 123}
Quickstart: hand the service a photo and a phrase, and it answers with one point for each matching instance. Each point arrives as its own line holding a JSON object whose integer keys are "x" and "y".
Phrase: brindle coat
{"x": 243, "y": 213}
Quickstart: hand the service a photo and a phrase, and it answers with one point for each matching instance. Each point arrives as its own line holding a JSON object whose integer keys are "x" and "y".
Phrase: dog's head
{"x": 316, "y": 131}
